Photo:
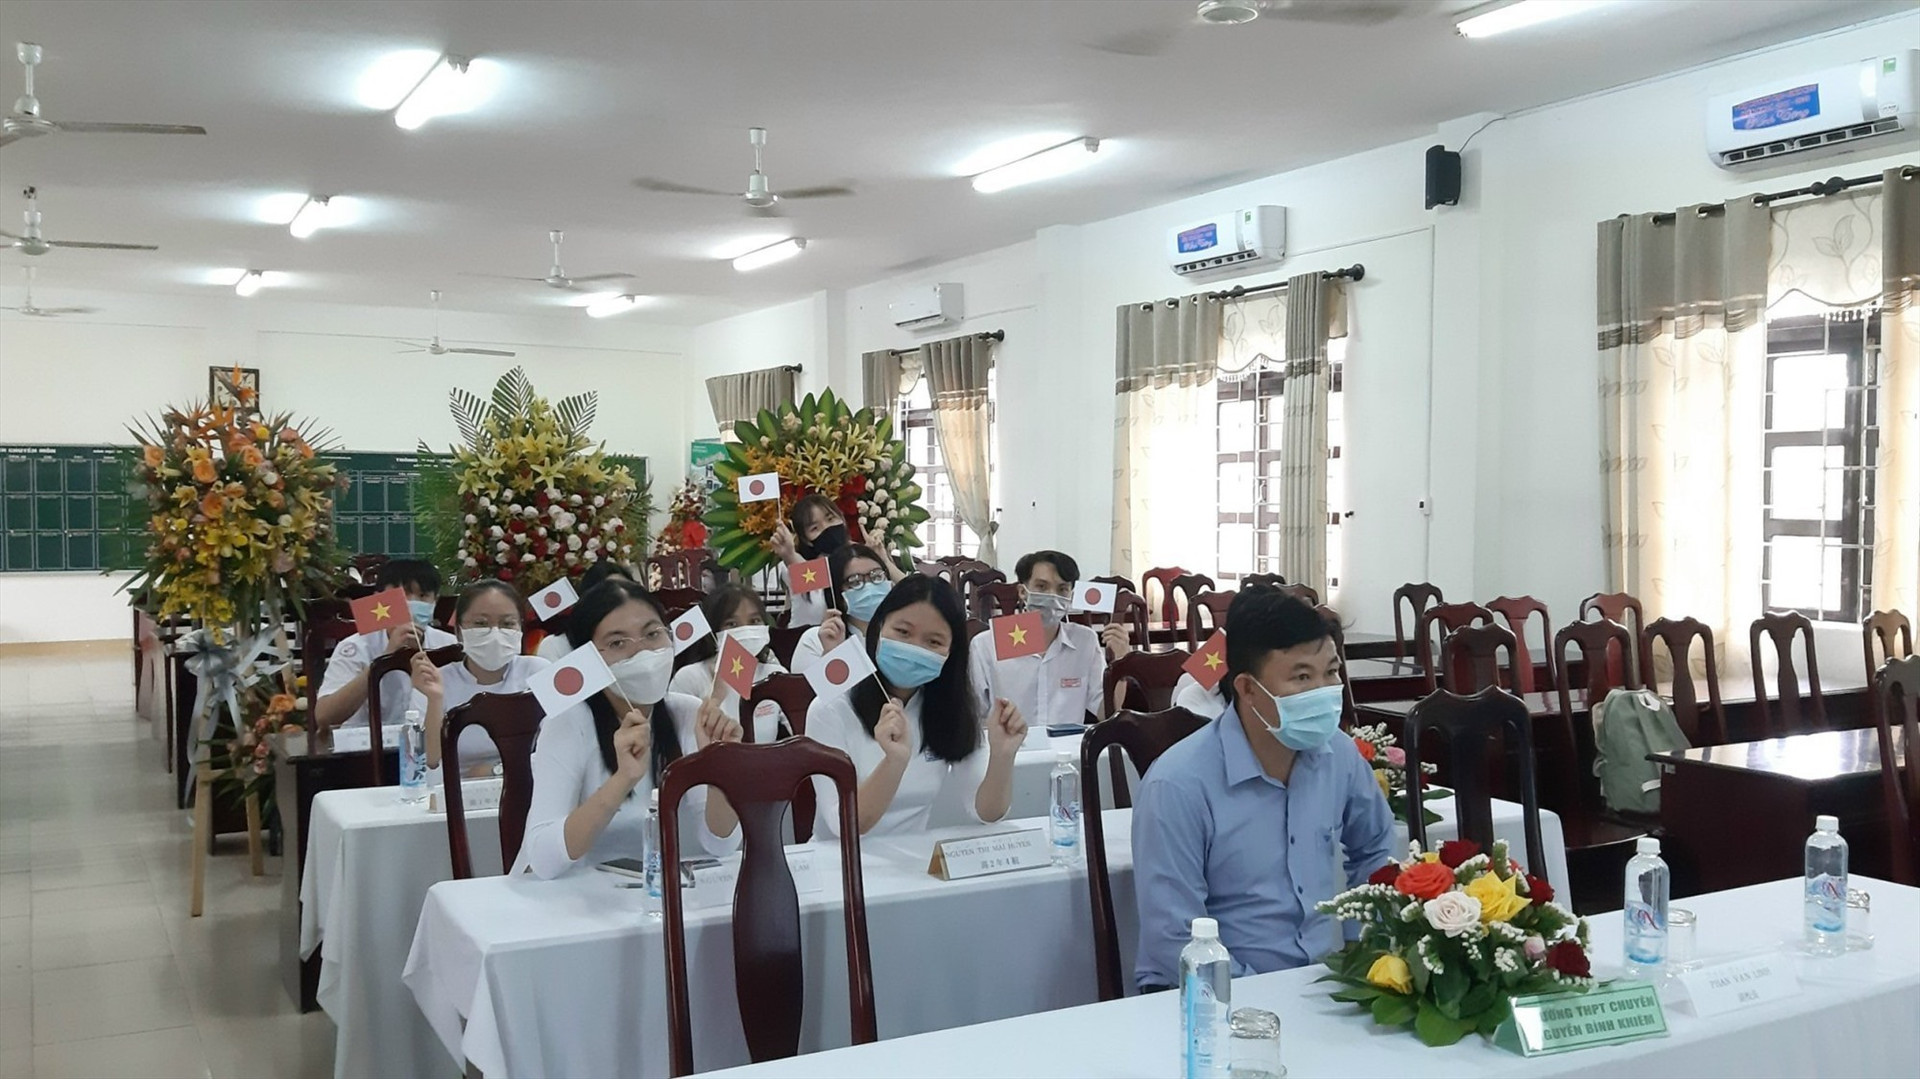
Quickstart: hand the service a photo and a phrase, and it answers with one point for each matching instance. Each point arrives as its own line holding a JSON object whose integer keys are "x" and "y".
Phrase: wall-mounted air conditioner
{"x": 1863, "y": 106}
{"x": 1233, "y": 243}
{"x": 926, "y": 307}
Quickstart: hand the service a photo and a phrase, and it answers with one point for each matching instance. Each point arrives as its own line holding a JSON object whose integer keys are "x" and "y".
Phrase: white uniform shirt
{"x": 927, "y": 780}
{"x": 353, "y": 656}
{"x": 696, "y": 680}
{"x": 553, "y": 647}
{"x": 1205, "y": 703}
{"x": 809, "y": 650}
{"x": 1057, "y": 687}
{"x": 458, "y": 686}
{"x": 568, "y": 768}
{"x": 807, "y": 608}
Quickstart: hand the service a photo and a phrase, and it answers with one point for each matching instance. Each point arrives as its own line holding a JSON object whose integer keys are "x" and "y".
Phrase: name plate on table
{"x": 475, "y": 794}
{"x": 1612, "y": 1014}
{"x": 360, "y": 739}
{"x": 983, "y": 855}
{"x": 1739, "y": 983}
{"x": 706, "y": 885}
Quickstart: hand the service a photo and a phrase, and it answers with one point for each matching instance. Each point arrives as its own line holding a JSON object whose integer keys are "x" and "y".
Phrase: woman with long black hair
{"x": 596, "y": 762}
{"x": 488, "y": 617}
{"x": 911, "y": 730}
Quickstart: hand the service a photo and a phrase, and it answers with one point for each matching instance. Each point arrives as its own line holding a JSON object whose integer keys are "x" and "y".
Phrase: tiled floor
{"x": 102, "y": 973}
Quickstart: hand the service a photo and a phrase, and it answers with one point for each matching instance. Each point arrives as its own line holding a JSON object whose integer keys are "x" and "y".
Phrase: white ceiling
{"x": 887, "y": 96}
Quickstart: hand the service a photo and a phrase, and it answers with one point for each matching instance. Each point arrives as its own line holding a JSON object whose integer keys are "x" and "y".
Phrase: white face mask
{"x": 753, "y": 638}
{"x": 491, "y": 648}
{"x": 643, "y": 676}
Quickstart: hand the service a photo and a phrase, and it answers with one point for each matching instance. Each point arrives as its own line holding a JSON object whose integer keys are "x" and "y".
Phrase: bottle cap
{"x": 653, "y": 797}
{"x": 1064, "y": 756}
{"x": 1826, "y": 823}
{"x": 1647, "y": 845}
{"x": 1206, "y": 929}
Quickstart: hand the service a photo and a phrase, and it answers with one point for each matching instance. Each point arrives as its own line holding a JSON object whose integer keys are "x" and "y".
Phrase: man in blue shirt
{"x": 1244, "y": 821}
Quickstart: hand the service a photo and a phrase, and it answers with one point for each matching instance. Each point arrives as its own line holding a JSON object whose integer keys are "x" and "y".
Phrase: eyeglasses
{"x": 855, "y": 580}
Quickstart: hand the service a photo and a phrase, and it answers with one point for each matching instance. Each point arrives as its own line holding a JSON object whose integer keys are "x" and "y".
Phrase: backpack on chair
{"x": 1627, "y": 725}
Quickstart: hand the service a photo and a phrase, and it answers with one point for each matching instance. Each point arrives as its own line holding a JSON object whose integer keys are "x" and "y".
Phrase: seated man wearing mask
{"x": 1061, "y": 686}
{"x": 817, "y": 530}
{"x": 343, "y": 692}
{"x": 1210, "y": 815}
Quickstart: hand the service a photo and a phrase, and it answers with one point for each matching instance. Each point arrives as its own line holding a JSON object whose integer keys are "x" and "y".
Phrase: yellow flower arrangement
{"x": 1499, "y": 899}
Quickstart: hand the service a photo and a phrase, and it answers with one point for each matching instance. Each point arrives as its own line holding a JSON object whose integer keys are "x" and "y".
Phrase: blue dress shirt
{"x": 1215, "y": 836}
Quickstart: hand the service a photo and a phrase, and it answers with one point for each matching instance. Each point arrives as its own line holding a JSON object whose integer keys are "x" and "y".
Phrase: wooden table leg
{"x": 202, "y": 836}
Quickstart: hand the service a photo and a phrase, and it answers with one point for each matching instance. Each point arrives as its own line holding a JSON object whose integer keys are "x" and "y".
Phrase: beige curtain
{"x": 1682, "y": 347}
{"x": 880, "y": 380}
{"x": 957, "y": 371}
{"x": 1163, "y": 476}
{"x": 742, "y": 396}
{"x": 1315, "y": 311}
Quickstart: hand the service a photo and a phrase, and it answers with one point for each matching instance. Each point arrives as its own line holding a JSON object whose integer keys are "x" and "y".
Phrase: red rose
{"x": 1386, "y": 874}
{"x": 1539, "y": 890}
{"x": 1425, "y": 880}
{"x": 1455, "y": 852}
{"x": 1570, "y": 959}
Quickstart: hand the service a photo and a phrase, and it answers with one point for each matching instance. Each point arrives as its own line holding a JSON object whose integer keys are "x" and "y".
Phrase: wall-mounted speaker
{"x": 1443, "y": 177}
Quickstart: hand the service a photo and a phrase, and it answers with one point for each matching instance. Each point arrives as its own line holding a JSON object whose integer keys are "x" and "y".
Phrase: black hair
{"x": 401, "y": 572}
{"x": 599, "y": 571}
{"x": 600, "y": 601}
{"x": 837, "y": 569}
{"x": 1062, "y": 563}
{"x": 480, "y": 588}
{"x": 804, "y": 510}
{"x": 949, "y": 728}
{"x": 719, "y": 606}
{"x": 1264, "y": 620}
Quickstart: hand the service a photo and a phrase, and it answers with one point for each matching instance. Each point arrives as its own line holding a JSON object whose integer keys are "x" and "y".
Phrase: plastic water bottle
{"x": 650, "y": 901}
{"x": 1063, "y": 823}
{"x": 1826, "y": 909}
{"x": 1645, "y": 913}
{"x": 413, "y": 757}
{"x": 1206, "y": 1002}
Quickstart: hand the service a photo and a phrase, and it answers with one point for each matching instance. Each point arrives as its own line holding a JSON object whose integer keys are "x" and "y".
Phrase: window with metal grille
{"x": 1250, "y": 432}
{"x": 943, "y": 533}
{"x": 1821, "y": 441}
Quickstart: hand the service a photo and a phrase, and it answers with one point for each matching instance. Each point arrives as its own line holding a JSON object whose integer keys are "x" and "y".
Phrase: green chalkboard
{"x": 67, "y": 508}
{"x": 374, "y": 512}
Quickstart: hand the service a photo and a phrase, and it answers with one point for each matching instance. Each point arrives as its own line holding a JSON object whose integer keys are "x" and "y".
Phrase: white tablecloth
{"x": 528, "y": 978}
{"x": 1857, "y": 1016}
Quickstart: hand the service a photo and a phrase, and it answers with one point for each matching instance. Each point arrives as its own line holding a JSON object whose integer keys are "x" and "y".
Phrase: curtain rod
{"x": 1355, "y": 272}
{"x": 990, "y": 335}
{"x": 1817, "y": 189}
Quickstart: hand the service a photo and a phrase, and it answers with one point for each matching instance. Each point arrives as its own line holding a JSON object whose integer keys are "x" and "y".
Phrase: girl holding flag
{"x": 861, "y": 581}
{"x": 732, "y": 611}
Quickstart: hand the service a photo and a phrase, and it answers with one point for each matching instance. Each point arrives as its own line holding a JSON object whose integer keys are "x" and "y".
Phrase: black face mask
{"x": 830, "y": 539}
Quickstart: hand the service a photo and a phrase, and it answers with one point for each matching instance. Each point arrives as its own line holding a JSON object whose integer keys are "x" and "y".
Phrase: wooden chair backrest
{"x": 1146, "y": 680}
{"x": 377, "y": 671}
{"x": 1431, "y": 631}
{"x": 512, "y": 720}
{"x": 1214, "y": 606}
{"x": 1121, "y": 583}
{"x": 1517, "y": 612}
{"x": 1624, "y": 609}
{"x": 318, "y": 639}
{"x": 1181, "y": 592}
{"x": 1792, "y": 712}
{"x": 1470, "y": 659}
{"x": 1897, "y": 705}
{"x": 794, "y": 695}
{"x": 1703, "y": 726}
{"x": 679, "y": 601}
{"x": 1469, "y": 726}
{"x": 1270, "y": 580}
{"x": 990, "y": 601}
{"x": 1891, "y": 631}
{"x": 1417, "y": 598}
{"x": 1163, "y": 612}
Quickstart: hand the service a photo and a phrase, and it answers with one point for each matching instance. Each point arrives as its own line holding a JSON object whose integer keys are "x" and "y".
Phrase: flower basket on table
{"x": 684, "y": 530}
{"x": 820, "y": 446}
{"x": 1382, "y": 752}
{"x": 1449, "y": 937}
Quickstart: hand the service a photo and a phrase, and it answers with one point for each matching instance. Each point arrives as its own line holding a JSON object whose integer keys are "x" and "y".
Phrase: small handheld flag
{"x": 1016, "y": 635}
{"x": 737, "y": 667}
{"x": 804, "y": 577}
{"x": 1209, "y": 665}
{"x": 382, "y": 610}
{"x": 554, "y": 599}
{"x": 840, "y": 669}
{"x": 1095, "y": 598}
{"x": 578, "y": 675}
{"x": 760, "y": 487}
{"x": 690, "y": 629}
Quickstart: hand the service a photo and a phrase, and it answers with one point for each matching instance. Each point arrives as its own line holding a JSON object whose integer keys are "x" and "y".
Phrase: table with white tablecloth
{"x": 1856, "y": 1015}
{"x": 526, "y": 978}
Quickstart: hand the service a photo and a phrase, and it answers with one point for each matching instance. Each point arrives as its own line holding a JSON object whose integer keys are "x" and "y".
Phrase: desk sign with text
{"x": 1739, "y": 983}
{"x": 982, "y": 855}
{"x": 707, "y": 885}
{"x": 1611, "y": 1014}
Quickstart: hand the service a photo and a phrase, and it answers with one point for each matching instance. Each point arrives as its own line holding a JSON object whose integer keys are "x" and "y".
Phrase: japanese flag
{"x": 760, "y": 487}
{"x": 382, "y": 610}
{"x": 1209, "y": 665}
{"x": 1097, "y": 598}
{"x": 840, "y": 669}
{"x": 736, "y": 667}
{"x": 578, "y": 675}
{"x": 554, "y": 599}
{"x": 690, "y": 629}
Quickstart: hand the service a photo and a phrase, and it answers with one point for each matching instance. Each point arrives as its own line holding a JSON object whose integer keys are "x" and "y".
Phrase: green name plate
{"x": 1613, "y": 1014}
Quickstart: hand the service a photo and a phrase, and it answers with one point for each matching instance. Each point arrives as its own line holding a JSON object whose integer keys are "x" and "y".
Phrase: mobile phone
{"x": 626, "y": 867}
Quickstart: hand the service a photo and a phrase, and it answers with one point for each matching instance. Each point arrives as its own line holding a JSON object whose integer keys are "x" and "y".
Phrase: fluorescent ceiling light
{"x": 313, "y": 217}
{"x": 447, "y": 88}
{"x": 1045, "y": 165}
{"x": 613, "y": 305}
{"x": 249, "y": 283}
{"x": 770, "y": 254}
{"x": 999, "y": 152}
{"x": 1488, "y": 21}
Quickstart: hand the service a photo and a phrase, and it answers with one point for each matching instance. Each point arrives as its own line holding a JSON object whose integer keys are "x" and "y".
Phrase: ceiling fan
{"x": 557, "y": 275}
{"x": 27, "y": 308}
{"x": 758, "y": 196}
{"x": 30, "y": 242}
{"x": 435, "y": 348}
{"x": 25, "y": 119}
{"x": 1156, "y": 40}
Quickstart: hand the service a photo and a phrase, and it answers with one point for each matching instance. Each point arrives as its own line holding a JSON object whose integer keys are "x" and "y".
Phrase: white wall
{"x": 82, "y": 379}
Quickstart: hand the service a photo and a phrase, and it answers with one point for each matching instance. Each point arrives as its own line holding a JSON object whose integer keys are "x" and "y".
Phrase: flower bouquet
{"x": 1383, "y": 754}
{"x": 684, "y": 530}
{"x": 1448, "y": 938}
{"x": 270, "y": 709}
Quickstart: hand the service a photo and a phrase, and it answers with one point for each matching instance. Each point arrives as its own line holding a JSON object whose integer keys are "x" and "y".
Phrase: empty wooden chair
{"x": 1416, "y": 598}
{"x": 400, "y": 662}
{"x": 1795, "y": 712}
{"x": 1595, "y": 640}
{"x": 512, "y": 720}
{"x": 1897, "y": 705}
{"x": 769, "y": 975}
{"x": 1432, "y": 628}
{"x": 990, "y": 601}
{"x": 1517, "y": 612}
{"x": 1481, "y": 729}
{"x": 1470, "y": 659}
{"x": 1143, "y": 737}
{"x": 939, "y": 570}
{"x": 1181, "y": 592}
{"x": 1704, "y": 725}
{"x": 1213, "y": 606}
{"x": 1624, "y": 609}
{"x": 1893, "y": 634}
{"x": 1145, "y": 680}
{"x": 1268, "y": 580}
{"x": 1162, "y": 611}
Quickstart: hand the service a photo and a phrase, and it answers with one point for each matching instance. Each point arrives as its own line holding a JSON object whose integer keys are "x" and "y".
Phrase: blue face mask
{"x": 864, "y": 600}
{"x": 422, "y": 611}
{"x": 1308, "y": 720}
{"x": 908, "y": 666}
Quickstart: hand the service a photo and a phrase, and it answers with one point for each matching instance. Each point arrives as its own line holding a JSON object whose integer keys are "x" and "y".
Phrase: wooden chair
{"x": 786, "y": 641}
{"x": 1897, "y": 696}
{"x": 367, "y": 566}
{"x": 1894, "y": 634}
{"x": 377, "y": 671}
{"x": 963, "y": 566}
{"x": 968, "y": 584}
{"x": 512, "y": 720}
{"x": 794, "y": 695}
{"x": 937, "y": 570}
{"x": 1447, "y": 618}
{"x": 317, "y": 642}
{"x": 1793, "y": 713}
{"x": 676, "y": 569}
{"x": 1121, "y": 583}
{"x": 1624, "y": 609}
{"x": 1145, "y": 678}
{"x": 443, "y": 609}
{"x": 1595, "y": 640}
{"x": 769, "y": 976}
{"x": 1164, "y": 613}
{"x": 1267, "y": 580}
{"x": 990, "y": 601}
{"x": 1301, "y": 592}
{"x": 679, "y": 601}
{"x": 1417, "y": 598}
{"x": 1517, "y": 612}
{"x": 1703, "y": 727}
{"x": 1214, "y": 605}
{"x": 1471, "y": 727}
{"x": 1181, "y": 592}
{"x": 1470, "y": 659}
{"x": 1143, "y": 736}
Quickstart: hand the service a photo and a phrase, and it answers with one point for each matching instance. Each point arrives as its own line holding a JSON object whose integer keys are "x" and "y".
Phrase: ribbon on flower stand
{"x": 222, "y": 669}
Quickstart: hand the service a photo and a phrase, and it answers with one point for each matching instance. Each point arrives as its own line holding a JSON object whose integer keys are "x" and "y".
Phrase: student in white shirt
{"x": 736, "y": 612}
{"x": 1061, "y": 686}
{"x": 912, "y": 731}
{"x": 816, "y": 529}
{"x": 1205, "y": 703}
{"x": 860, "y": 584}
{"x": 555, "y": 644}
{"x": 343, "y": 690}
{"x": 488, "y": 619}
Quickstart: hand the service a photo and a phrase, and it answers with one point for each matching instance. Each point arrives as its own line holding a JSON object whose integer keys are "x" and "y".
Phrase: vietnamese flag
{"x": 1016, "y": 635}
{"x": 804, "y": 577}
{"x": 1209, "y": 665}
{"x": 737, "y": 667}
{"x": 382, "y": 610}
